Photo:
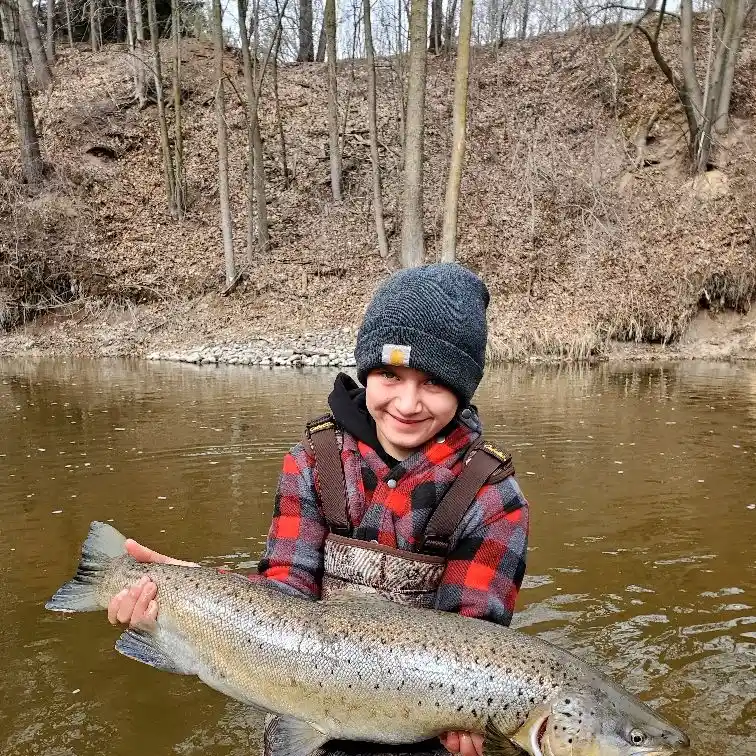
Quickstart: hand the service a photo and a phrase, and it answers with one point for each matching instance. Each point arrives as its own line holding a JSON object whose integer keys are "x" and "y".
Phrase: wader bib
{"x": 407, "y": 577}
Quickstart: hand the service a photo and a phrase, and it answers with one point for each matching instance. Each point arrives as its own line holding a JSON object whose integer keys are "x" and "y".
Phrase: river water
{"x": 642, "y": 483}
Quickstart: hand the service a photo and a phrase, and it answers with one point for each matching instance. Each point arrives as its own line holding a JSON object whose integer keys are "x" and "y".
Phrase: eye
{"x": 637, "y": 737}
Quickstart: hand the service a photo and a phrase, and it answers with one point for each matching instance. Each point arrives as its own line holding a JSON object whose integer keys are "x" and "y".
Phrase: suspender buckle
{"x": 434, "y": 546}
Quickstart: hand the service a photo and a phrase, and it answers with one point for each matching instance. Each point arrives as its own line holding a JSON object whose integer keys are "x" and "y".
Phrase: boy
{"x": 395, "y": 492}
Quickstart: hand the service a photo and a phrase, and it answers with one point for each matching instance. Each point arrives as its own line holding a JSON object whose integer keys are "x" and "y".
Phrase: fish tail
{"x": 103, "y": 544}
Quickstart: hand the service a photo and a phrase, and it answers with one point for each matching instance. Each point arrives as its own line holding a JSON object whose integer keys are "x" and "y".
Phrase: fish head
{"x": 598, "y": 723}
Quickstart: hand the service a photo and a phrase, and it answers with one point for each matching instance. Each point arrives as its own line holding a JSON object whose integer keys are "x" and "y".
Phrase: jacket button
{"x": 391, "y": 483}
{"x": 466, "y": 413}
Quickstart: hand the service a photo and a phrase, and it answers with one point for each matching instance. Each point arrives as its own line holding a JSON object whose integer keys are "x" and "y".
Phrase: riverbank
{"x": 213, "y": 331}
{"x": 592, "y": 240}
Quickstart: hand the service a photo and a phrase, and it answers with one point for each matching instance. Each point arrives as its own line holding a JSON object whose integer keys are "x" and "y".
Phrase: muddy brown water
{"x": 642, "y": 482}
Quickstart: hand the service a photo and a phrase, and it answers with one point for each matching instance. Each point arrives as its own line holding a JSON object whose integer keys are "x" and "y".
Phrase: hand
{"x": 464, "y": 743}
{"x": 136, "y": 606}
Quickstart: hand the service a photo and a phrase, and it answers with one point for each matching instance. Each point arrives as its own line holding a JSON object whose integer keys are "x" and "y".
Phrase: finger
{"x": 148, "y": 593}
{"x": 126, "y": 609}
{"x": 478, "y": 743}
{"x": 450, "y": 741}
{"x": 114, "y": 604}
{"x": 144, "y": 554}
{"x": 149, "y": 618}
{"x": 466, "y": 746}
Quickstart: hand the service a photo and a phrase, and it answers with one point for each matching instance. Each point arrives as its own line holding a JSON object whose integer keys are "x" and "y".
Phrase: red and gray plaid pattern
{"x": 486, "y": 563}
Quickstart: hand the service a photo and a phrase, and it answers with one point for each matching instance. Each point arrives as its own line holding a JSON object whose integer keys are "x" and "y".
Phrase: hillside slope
{"x": 583, "y": 238}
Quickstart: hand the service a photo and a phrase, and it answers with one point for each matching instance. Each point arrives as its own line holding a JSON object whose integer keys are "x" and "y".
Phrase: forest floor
{"x": 577, "y": 208}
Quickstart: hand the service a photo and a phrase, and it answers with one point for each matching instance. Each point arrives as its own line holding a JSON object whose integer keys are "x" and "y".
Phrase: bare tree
{"x": 94, "y": 25}
{"x": 320, "y": 55}
{"x": 334, "y": 150}
{"x": 306, "y": 53}
{"x": 436, "y": 24}
{"x": 255, "y": 170}
{"x": 413, "y": 243}
{"x": 140, "y": 67}
{"x": 706, "y": 108}
{"x": 50, "y": 40}
{"x": 279, "y": 119}
{"x": 179, "y": 194}
{"x": 69, "y": 27}
{"x": 165, "y": 146}
{"x": 39, "y": 59}
{"x": 449, "y": 237}
{"x": 380, "y": 225}
{"x": 220, "y": 115}
{"x": 31, "y": 160}
{"x": 449, "y": 26}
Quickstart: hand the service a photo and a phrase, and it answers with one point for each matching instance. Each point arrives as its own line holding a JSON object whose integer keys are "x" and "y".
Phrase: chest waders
{"x": 407, "y": 577}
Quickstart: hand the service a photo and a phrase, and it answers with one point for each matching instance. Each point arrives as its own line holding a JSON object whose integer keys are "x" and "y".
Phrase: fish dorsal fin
{"x": 496, "y": 743}
{"x": 286, "y": 736}
{"x": 149, "y": 648}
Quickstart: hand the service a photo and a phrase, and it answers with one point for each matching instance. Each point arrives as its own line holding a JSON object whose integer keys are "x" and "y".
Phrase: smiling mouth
{"x": 402, "y": 421}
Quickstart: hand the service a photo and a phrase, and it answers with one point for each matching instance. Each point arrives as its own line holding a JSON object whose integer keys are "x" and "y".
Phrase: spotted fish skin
{"x": 353, "y": 667}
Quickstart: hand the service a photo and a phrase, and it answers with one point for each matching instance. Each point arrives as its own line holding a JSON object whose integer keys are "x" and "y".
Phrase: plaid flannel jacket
{"x": 486, "y": 562}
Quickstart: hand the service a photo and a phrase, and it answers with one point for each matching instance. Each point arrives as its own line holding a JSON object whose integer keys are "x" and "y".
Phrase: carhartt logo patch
{"x": 396, "y": 354}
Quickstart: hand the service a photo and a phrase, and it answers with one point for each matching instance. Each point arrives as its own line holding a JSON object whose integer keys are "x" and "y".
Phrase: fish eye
{"x": 637, "y": 737}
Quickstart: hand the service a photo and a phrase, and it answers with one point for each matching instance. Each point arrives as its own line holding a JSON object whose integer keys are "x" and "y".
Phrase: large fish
{"x": 367, "y": 669}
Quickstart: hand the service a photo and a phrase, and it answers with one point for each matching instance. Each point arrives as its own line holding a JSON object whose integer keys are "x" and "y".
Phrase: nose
{"x": 408, "y": 400}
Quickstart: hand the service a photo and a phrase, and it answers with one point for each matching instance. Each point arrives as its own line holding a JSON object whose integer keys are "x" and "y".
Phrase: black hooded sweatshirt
{"x": 348, "y": 407}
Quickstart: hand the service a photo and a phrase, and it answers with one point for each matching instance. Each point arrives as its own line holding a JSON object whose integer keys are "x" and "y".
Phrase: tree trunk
{"x": 306, "y": 53}
{"x": 50, "y": 46}
{"x": 380, "y": 225}
{"x": 39, "y": 59}
{"x": 449, "y": 27}
{"x": 256, "y": 198}
{"x": 220, "y": 115}
{"x": 179, "y": 194}
{"x": 279, "y": 119}
{"x": 131, "y": 40}
{"x": 69, "y": 28}
{"x": 31, "y": 160}
{"x": 721, "y": 123}
{"x": 436, "y": 24}
{"x": 334, "y": 151}
{"x": 413, "y": 244}
{"x": 165, "y": 146}
{"x": 94, "y": 25}
{"x": 449, "y": 238}
{"x": 523, "y": 32}
{"x": 141, "y": 67}
{"x": 321, "y": 53}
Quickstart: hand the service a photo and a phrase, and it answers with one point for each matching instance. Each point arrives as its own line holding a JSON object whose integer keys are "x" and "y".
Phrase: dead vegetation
{"x": 576, "y": 205}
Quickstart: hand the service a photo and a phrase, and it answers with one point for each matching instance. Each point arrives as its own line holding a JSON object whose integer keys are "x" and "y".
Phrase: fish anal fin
{"x": 150, "y": 648}
{"x": 287, "y": 736}
{"x": 496, "y": 743}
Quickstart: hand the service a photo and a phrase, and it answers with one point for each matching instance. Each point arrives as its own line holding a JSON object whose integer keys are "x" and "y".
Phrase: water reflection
{"x": 641, "y": 557}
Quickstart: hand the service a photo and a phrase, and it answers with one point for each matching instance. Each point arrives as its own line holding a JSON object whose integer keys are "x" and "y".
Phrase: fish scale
{"x": 353, "y": 667}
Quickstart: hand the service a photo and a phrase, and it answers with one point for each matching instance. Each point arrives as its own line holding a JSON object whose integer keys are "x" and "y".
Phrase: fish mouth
{"x": 536, "y": 735}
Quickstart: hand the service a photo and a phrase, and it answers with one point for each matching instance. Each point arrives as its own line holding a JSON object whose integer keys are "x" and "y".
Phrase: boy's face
{"x": 409, "y": 408}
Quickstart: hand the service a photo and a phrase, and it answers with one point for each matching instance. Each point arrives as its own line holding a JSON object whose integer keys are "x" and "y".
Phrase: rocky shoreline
{"x": 334, "y": 349}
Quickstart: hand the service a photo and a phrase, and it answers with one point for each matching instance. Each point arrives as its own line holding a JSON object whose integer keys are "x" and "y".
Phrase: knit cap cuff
{"x": 440, "y": 359}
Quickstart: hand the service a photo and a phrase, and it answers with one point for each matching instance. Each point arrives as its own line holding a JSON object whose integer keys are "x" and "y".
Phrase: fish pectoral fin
{"x": 287, "y": 736}
{"x": 148, "y": 648}
{"x": 496, "y": 743}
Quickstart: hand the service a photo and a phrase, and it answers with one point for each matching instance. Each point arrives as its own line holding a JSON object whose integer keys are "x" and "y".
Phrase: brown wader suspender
{"x": 330, "y": 472}
{"x": 482, "y": 461}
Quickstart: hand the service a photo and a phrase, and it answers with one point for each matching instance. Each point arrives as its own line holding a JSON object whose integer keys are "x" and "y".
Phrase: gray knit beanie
{"x": 431, "y": 318}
